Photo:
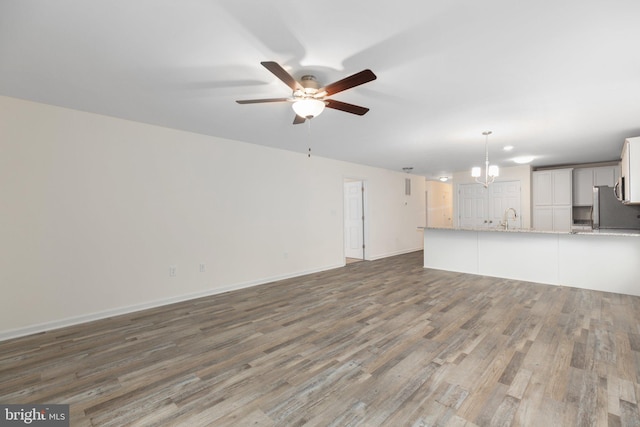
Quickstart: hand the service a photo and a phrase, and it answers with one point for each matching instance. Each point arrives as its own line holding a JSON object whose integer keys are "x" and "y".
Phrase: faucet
{"x": 505, "y": 218}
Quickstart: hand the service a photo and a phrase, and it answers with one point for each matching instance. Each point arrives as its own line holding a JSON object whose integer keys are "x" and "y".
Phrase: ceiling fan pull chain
{"x": 309, "y": 132}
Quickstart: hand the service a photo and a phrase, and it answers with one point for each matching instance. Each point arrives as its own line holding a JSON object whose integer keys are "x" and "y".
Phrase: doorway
{"x": 354, "y": 246}
{"x": 426, "y": 208}
{"x": 438, "y": 204}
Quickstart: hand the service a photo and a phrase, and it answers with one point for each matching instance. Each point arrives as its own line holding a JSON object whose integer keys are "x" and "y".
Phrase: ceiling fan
{"x": 308, "y": 98}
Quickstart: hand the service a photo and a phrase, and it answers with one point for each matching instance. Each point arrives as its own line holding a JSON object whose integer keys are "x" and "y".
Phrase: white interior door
{"x": 472, "y": 206}
{"x": 480, "y": 207}
{"x": 505, "y": 195}
{"x": 447, "y": 213}
{"x": 353, "y": 220}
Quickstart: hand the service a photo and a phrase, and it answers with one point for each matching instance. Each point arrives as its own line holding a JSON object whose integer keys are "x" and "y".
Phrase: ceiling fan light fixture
{"x": 308, "y": 108}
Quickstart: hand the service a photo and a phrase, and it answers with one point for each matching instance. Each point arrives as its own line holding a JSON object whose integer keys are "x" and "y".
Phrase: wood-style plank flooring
{"x": 374, "y": 343}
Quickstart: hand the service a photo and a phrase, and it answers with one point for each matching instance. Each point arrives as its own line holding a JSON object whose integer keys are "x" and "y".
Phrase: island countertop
{"x": 608, "y": 262}
{"x": 598, "y": 232}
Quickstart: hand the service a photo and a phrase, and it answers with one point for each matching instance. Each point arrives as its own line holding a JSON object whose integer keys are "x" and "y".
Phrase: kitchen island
{"x": 605, "y": 260}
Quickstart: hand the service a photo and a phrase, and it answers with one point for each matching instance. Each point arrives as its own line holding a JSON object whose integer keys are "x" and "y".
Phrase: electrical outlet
{"x": 202, "y": 268}
{"x": 173, "y": 271}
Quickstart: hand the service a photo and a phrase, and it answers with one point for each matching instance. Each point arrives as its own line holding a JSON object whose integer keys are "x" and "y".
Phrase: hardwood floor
{"x": 374, "y": 343}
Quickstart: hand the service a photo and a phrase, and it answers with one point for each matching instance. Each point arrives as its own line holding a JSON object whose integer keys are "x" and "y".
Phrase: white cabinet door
{"x": 543, "y": 218}
{"x": 630, "y": 156}
{"x": 562, "y": 218}
{"x": 552, "y": 187}
{"x": 552, "y": 199}
{"x": 552, "y": 218}
{"x": 583, "y": 187}
{"x": 604, "y": 175}
{"x": 542, "y": 188}
{"x": 584, "y": 179}
{"x": 562, "y": 186}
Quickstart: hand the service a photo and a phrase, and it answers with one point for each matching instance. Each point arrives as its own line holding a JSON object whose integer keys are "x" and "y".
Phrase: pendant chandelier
{"x": 490, "y": 172}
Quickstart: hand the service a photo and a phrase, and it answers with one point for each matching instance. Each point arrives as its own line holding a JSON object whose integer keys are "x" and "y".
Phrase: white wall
{"x": 440, "y": 204}
{"x": 95, "y": 209}
{"x": 514, "y": 173}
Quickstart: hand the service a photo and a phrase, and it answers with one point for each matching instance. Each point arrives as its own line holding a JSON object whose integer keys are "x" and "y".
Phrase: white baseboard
{"x": 390, "y": 254}
{"x": 75, "y": 320}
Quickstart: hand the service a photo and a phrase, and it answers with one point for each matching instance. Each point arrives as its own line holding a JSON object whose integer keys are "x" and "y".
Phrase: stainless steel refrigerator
{"x": 609, "y": 212}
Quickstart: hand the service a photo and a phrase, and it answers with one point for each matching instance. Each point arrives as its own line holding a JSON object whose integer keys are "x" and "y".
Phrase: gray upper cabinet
{"x": 552, "y": 187}
{"x": 584, "y": 179}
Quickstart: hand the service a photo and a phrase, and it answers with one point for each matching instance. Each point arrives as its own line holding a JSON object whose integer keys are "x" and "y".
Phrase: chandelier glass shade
{"x": 308, "y": 108}
{"x": 490, "y": 171}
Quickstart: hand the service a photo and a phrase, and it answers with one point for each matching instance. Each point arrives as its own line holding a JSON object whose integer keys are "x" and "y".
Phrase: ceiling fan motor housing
{"x": 309, "y": 85}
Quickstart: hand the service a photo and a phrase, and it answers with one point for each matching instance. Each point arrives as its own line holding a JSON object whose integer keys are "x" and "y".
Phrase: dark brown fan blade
{"x": 258, "y": 101}
{"x": 348, "y": 82}
{"x": 282, "y": 74}
{"x": 297, "y": 120}
{"x": 343, "y": 106}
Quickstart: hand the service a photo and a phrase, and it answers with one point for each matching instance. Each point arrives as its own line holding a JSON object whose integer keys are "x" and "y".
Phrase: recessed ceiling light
{"x": 507, "y": 147}
{"x": 444, "y": 178}
{"x": 523, "y": 159}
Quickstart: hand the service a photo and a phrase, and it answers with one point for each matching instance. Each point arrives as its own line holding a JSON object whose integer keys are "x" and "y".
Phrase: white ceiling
{"x": 558, "y": 79}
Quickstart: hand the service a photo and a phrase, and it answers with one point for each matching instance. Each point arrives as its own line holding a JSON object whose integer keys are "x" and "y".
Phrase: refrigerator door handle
{"x": 595, "y": 209}
{"x": 618, "y": 189}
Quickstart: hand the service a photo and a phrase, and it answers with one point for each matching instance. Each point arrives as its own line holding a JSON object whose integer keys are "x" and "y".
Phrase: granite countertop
{"x": 600, "y": 232}
{"x": 610, "y": 232}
